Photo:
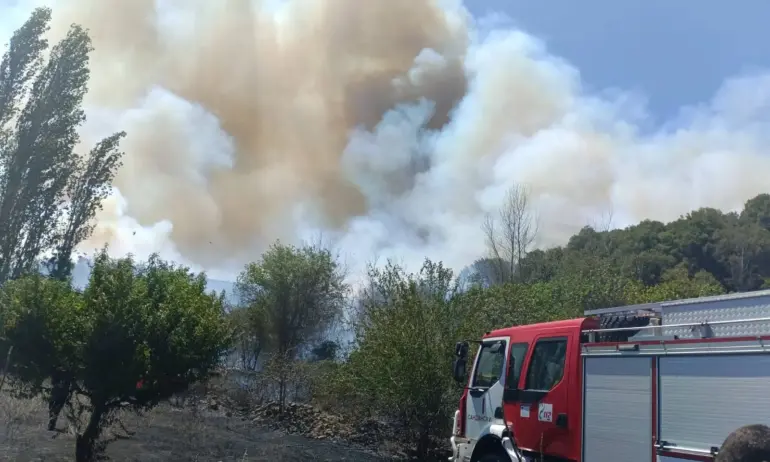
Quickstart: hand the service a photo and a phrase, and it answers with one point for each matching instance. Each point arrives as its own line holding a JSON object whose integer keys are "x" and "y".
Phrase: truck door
{"x": 540, "y": 425}
{"x": 486, "y": 390}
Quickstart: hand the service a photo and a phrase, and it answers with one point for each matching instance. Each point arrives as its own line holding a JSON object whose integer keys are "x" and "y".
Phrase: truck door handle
{"x": 561, "y": 420}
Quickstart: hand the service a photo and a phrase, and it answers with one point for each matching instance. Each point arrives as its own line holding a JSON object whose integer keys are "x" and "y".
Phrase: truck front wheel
{"x": 494, "y": 458}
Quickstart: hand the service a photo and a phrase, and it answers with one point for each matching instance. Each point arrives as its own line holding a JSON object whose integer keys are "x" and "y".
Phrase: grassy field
{"x": 167, "y": 433}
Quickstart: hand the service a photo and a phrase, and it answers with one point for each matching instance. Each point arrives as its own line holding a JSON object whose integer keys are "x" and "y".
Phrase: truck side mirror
{"x": 459, "y": 369}
{"x": 461, "y": 350}
{"x": 459, "y": 372}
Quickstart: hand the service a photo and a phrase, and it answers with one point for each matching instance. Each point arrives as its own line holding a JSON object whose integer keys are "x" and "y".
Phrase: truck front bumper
{"x": 461, "y": 450}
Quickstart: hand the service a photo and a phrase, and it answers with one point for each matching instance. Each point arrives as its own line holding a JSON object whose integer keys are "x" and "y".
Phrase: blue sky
{"x": 676, "y": 52}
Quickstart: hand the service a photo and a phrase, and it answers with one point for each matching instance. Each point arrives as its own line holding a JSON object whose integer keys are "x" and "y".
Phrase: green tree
{"x": 696, "y": 239}
{"x": 676, "y": 284}
{"x": 589, "y": 240}
{"x": 542, "y": 265}
{"x": 744, "y": 251}
{"x": 250, "y": 337}
{"x": 400, "y": 366}
{"x": 757, "y": 211}
{"x": 38, "y": 159}
{"x": 19, "y": 65}
{"x": 43, "y": 319}
{"x": 586, "y": 282}
{"x": 88, "y": 185}
{"x": 294, "y": 296}
{"x": 44, "y": 315}
{"x": 21, "y": 62}
{"x": 489, "y": 271}
{"x": 48, "y": 193}
{"x": 152, "y": 323}
{"x": 643, "y": 251}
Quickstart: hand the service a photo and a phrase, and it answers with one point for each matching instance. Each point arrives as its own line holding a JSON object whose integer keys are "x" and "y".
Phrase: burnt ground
{"x": 165, "y": 434}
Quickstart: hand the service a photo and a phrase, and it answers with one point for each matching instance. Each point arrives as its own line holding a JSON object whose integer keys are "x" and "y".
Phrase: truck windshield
{"x": 490, "y": 365}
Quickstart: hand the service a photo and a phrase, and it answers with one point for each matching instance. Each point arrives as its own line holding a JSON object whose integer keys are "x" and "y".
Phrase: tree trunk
{"x": 281, "y": 394}
{"x": 85, "y": 444}
{"x": 423, "y": 443}
{"x": 61, "y": 385}
{"x": 6, "y": 366}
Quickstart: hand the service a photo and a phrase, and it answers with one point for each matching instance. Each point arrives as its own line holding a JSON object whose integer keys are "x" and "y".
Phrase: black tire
{"x": 493, "y": 458}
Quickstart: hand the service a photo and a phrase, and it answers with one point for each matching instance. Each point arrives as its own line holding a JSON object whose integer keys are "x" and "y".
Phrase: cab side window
{"x": 518, "y": 353}
{"x": 546, "y": 368}
{"x": 490, "y": 364}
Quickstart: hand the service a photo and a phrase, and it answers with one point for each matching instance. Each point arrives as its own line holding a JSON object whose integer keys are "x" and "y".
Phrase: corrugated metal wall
{"x": 617, "y": 409}
{"x": 704, "y": 398}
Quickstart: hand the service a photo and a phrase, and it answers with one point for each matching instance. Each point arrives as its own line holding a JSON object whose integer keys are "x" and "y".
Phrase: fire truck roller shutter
{"x": 704, "y": 398}
{"x": 617, "y": 409}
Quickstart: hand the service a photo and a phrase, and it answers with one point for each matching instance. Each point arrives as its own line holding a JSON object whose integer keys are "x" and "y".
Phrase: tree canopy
{"x": 151, "y": 323}
{"x": 48, "y": 192}
{"x": 293, "y": 296}
{"x": 399, "y": 367}
{"x": 734, "y": 249}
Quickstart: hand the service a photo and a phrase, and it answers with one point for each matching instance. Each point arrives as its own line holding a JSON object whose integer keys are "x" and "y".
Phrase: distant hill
{"x": 82, "y": 271}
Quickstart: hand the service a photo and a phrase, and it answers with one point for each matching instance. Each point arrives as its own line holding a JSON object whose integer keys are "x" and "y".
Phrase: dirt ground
{"x": 164, "y": 434}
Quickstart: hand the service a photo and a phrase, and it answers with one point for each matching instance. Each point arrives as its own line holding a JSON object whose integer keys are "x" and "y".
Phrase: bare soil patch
{"x": 168, "y": 433}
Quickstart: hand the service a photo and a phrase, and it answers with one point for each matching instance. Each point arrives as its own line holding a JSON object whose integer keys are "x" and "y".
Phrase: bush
{"x": 137, "y": 335}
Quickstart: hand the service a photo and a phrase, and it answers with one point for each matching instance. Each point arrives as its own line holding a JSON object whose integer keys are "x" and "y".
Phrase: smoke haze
{"x": 388, "y": 126}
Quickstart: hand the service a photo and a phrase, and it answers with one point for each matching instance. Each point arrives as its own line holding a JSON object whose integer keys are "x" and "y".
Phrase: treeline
{"x": 142, "y": 331}
{"x": 139, "y": 332}
{"x": 733, "y": 248}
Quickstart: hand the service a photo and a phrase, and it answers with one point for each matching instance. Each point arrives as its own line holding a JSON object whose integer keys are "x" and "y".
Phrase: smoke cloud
{"x": 389, "y": 126}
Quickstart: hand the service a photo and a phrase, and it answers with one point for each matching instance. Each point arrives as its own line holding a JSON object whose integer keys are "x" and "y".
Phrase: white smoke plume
{"x": 390, "y": 126}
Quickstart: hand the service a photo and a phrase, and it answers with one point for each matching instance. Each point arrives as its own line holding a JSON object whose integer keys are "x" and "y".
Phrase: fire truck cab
{"x": 661, "y": 382}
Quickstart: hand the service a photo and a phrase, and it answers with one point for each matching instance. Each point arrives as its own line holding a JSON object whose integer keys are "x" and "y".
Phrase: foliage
{"x": 88, "y": 185}
{"x": 44, "y": 320}
{"x": 152, "y": 323}
{"x": 48, "y": 192}
{"x": 732, "y": 248}
{"x": 249, "y": 337}
{"x": 401, "y": 362}
{"x": 294, "y": 296}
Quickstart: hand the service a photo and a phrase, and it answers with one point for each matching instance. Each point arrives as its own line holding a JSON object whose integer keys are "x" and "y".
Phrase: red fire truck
{"x": 660, "y": 382}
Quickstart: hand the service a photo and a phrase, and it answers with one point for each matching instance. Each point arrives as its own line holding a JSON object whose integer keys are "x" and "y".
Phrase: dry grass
{"x": 186, "y": 432}
{"x": 16, "y": 417}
